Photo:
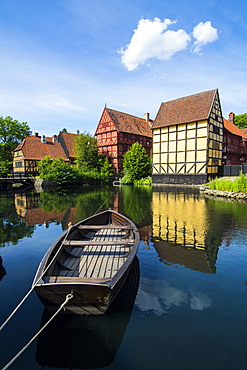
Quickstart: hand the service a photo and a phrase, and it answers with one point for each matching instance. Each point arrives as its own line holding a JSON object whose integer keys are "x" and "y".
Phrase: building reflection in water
{"x": 182, "y": 233}
{"x": 28, "y": 208}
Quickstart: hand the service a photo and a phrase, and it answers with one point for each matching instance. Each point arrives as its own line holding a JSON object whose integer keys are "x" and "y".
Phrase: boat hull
{"x": 91, "y": 261}
{"x": 88, "y": 299}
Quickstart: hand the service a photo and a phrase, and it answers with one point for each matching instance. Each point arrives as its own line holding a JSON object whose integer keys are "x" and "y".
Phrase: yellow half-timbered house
{"x": 187, "y": 139}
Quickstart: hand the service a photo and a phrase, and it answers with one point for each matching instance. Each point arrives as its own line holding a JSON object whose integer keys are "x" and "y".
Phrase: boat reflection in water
{"x": 88, "y": 342}
{"x": 2, "y": 269}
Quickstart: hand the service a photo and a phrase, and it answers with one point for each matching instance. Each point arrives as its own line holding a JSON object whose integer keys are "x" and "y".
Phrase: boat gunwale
{"x": 110, "y": 282}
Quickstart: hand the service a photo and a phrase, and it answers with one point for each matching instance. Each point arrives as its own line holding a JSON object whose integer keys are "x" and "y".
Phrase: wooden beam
{"x": 96, "y": 227}
{"x": 97, "y": 242}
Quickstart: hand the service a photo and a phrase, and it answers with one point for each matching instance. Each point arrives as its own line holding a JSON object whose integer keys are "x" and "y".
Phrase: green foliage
{"x": 127, "y": 179}
{"x": 136, "y": 202}
{"x": 238, "y": 184}
{"x": 12, "y": 133}
{"x": 105, "y": 168}
{"x": 84, "y": 200}
{"x": 144, "y": 181}
{"x": 136, "y": 163}
{"x": 241, "y": 120}
{"x": 57, "y": 171}
{"x": 86, "y": 151}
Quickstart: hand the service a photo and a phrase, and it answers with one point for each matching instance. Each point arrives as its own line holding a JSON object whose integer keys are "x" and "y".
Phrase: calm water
{"x": 190, "y": 310}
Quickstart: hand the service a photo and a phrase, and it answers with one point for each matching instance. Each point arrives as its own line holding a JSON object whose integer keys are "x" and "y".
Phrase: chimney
{"x": 36, "y": 134}
{"x": 54, "y": 139}
{"x": 43, "y": 139}
{"x": 77, "y": 132}
{"x": 231, "y": 117}
{"x": 146, "y": 117}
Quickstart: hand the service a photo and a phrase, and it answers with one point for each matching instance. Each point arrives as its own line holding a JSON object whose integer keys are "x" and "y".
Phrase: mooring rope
{"x": 68, "y": 297}
{"x": 32, "y": 288}
{"x": 106, "y": 200}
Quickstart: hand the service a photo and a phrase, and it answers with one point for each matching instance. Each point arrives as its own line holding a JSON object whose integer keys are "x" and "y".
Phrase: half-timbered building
{"x": 117, "y": 131}
{"x": 188, "y": 139}
{"x": 32, "y": 149}
{"x": 234, "y": 143}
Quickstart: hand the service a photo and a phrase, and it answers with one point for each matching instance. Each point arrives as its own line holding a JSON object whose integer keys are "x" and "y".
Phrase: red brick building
{"x": 234, "y": 143}
{"x": 117, "y": 131}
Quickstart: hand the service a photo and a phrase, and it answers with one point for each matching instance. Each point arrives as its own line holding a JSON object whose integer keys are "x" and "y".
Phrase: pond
{"x": 186, "y": 308}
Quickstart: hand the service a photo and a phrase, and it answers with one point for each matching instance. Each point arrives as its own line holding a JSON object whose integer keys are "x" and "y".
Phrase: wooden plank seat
{"x": 110, "y": 227}
{"x": 78, "y": 243}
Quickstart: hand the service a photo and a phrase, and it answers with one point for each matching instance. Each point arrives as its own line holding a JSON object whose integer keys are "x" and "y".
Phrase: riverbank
{"x": 222, "y": 193}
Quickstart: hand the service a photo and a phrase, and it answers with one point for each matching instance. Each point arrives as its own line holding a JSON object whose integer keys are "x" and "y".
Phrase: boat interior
{"x": 94, "y": 251}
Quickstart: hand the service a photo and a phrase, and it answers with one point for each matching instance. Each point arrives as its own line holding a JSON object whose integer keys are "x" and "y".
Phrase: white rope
{"x": 43, "y": 273}
{"x": 68, "y": 297}
{"x": 105, "y": 201}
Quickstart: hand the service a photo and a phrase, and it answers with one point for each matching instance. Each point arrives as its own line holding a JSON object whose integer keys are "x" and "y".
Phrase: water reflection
{"x": 183, "y": 232}
{"x": 61, "y": 205}
{"x": 2, "y": 269}
{"x": 12, "y": 229}
{"x": 159, "y": 296}
{"x": 88, "y": 342}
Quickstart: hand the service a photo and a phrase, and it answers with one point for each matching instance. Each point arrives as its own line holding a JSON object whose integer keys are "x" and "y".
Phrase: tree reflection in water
{"x": 12, "y": 228}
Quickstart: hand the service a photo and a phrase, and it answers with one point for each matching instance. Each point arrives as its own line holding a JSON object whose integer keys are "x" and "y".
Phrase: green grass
{"x": 237, "y": 184}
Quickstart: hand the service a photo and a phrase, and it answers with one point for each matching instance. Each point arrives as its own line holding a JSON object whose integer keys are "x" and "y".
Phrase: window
{"x": 18, "y": 164}
{"x": 216, "y": 130}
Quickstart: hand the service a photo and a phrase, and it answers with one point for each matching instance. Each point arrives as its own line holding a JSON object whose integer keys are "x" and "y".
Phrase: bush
{"x": 136, "y": 163}
{"x": 57, "y": 171}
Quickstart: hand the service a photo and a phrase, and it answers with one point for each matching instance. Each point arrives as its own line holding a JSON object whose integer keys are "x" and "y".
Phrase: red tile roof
{"x": 191, "y": 108}
{"x": 231, "y": 127}
{"x": 33, "y": 148}
{"x": 68, "y": 140}
{"x": 130, "y": 124}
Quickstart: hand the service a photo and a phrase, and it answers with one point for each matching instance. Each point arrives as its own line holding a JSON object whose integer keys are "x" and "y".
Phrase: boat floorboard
{"x": 97, "y": 261}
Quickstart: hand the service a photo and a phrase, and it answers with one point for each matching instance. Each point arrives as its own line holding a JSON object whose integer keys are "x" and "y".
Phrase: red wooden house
{"x": 117, "y": 131}
{"x": 234, "y": 143}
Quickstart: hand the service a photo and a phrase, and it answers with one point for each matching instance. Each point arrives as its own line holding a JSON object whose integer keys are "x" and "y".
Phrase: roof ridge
{"x": 190, "y": 96}
{"x": 127, "y": 114}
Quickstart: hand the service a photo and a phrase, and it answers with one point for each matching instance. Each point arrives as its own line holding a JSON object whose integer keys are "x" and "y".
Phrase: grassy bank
{"x": 232, "y": 184}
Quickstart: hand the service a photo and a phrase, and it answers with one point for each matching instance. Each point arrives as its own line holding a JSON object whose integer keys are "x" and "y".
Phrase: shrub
{"x": 56, "y": 170}
{"x": 136, "y": 163}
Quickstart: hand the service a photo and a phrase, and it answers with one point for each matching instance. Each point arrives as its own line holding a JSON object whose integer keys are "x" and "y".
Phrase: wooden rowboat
{"x": 91, "y": 261}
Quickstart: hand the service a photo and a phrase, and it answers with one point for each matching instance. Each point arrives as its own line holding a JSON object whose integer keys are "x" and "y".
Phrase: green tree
{"x": 56, "y": 170}
{"x": 136, "y": 163}
{"x": 12, "y": 133}
{"x": 86, "y": 151}
{"x": 241, "y": 120}
{"x": 105, "y": 168}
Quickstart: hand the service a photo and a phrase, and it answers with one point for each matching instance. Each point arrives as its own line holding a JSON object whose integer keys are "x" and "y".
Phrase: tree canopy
{"x": 136, "y": 163}
{"x": 240, "y": 120}
{"x": 12, "y": 133}
{"x": 86, "y": 151}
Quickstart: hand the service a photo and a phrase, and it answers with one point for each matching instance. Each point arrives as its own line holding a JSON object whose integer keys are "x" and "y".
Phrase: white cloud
{"x": 204, "y": 33}
{"x": 151, "y": 39}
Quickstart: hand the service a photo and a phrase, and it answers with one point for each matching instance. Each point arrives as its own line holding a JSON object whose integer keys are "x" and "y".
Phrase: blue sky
{"x": 63, "y": 60}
